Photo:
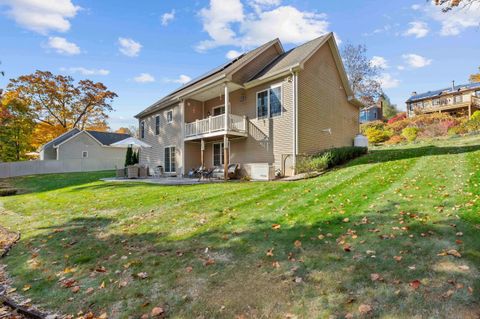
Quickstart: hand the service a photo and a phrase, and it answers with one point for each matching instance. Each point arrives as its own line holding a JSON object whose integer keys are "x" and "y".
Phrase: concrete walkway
{"x": 162, "y": 180}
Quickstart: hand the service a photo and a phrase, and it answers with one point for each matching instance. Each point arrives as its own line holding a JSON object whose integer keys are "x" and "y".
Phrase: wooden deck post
{"x": 202, "y": 151}
{"x": 225, "y": 157}
{"x": 470, "y": 110}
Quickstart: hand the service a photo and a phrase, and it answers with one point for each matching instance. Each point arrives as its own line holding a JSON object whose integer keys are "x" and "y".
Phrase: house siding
{"x": 73, "y": 149}
{"x": 170, "y": 135}
{"x": 323, "y": 105}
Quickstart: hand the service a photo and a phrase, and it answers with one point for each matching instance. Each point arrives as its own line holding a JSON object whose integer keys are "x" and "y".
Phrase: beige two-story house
{"x": 459, "y": 100}
{"x": 261, "y": 111}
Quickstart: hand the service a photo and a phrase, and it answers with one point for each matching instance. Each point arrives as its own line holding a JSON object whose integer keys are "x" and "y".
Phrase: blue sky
{"x": 144, "y": 49}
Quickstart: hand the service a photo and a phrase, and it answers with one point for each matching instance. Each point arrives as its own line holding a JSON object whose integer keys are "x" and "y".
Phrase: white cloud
{"x": 168, "y": 17}
{"x": 228, "y": 23}
{"x": 456, "y": 20}
{"x": 62, "y": 46}
{"x": 232, "y": 54}
{"x": 417, "y": 29}
{"x": 182, "y": 79}
{"x": 85, "y": 71}
{"x": 144, "y": 78}
{"x": 416, "y": 61}
{"x": 416, "y": 7}
{"x": 388, "y": 81}
{"x": 42, "y": 16}
{"x": 400, "y": 67}
{"x": 380, "y": 62}
{"x": 129, "y": 47}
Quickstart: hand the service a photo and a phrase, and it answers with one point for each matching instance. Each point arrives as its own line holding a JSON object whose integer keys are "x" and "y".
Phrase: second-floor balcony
{"x": 215, "y": 126}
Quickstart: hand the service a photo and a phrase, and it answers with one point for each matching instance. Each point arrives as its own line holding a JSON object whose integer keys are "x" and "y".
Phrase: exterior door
{"x": 218, "y": 154}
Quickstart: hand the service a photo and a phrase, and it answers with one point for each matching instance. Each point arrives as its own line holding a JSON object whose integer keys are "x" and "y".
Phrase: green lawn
{"x": 371, "y": 233}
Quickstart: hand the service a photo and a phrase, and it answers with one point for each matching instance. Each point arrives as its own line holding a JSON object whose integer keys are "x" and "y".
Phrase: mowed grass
{"x": 303, "y": 249}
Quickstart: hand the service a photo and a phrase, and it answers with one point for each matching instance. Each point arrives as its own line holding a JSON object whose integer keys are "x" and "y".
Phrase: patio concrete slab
{"x": 161, "y": 180}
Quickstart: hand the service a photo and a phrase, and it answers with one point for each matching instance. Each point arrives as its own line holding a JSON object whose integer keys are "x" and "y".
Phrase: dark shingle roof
{"x": 60, "y": 139}
{"x": 107, "y": 138}
{"x": 431, "y": 94}
{"x": 290, "y": 58}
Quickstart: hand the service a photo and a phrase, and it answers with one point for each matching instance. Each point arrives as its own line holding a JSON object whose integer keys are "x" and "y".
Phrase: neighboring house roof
{"x": 65, "y": 136}
{"x": 223, "y": 70}
{"x": 432, "y": 94}
{"x": 108, "y": 138}
{"x": 103, "y": 138}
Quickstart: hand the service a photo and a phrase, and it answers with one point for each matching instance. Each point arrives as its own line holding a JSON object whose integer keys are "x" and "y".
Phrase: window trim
{"x": 142, "y": 129}
{"x": 165, "y": 164}
{"x": 268, "y": 89}
{"x": 157, "y": 124}
{"x": 166, "y": 115}
{"x": 84, "y": 152}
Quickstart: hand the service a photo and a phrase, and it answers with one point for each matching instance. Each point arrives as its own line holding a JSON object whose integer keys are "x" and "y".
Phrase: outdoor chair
{"x": 233, "y": 171}
{"x": 195, "y": 172}
{"x": 204, "y": 174}
{"x": 158, "y": 171}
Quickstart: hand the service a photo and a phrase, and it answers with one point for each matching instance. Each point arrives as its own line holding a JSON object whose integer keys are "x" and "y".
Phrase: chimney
{"x": 453, "y": 86}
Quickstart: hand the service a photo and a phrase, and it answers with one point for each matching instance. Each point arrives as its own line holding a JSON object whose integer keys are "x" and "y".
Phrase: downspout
{"x": 294, "y": 119}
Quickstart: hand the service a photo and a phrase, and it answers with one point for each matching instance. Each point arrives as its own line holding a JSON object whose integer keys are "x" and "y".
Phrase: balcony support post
{"x": 470, "y": 110}
{"x": 202, "y": 151}
{"x": 227, "y": 106}
{"x": 225, "y": 157}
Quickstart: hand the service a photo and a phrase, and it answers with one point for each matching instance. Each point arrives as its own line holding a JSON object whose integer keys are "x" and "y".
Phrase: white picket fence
{"x": 13, "y": 169}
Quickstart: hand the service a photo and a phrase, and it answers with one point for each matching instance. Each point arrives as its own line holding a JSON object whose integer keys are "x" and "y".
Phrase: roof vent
{"x": 414, "y": 93}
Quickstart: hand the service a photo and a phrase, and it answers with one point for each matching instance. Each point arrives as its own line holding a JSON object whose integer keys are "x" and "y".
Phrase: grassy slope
{"x": 74, "y": 221}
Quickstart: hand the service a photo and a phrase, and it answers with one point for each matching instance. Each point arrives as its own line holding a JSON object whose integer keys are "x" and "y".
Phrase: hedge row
{"x": 329, "y": 158}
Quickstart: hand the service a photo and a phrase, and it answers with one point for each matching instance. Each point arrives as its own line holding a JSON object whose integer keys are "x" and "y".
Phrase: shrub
{"x": 374, "y": 124}
{"x": 395, "y": 139}
{"x": 376, "y": 135}
{"x": 8, "y": 191}
{"x": 473, "y": 124}
{"x": 398, "y": 117}
{"x": 410, "y": 133}
{"x": 329, "y": 158}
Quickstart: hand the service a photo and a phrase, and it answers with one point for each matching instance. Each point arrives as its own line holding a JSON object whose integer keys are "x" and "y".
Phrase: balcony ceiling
{"x": 213, "y": 91}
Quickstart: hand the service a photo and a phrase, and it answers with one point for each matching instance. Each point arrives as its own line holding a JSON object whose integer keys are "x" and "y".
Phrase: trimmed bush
{"x": 394, "y": 140}
{"x": 329, "y": 158}
{"x": 398, "y": 117}
{"x": 8, "y": 191}
{"x": 410, "y": 133}
{"x": 376, "y": 135}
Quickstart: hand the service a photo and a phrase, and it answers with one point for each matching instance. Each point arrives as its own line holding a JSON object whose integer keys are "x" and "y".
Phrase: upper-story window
{"x": 169, "y": 116}
{"x": 142, "y": 129}
{"x": 269, "y": 102}
{"x": 436, "y": 102}
{"x": 457, "y": 99}
{"x": 157, "y": 125}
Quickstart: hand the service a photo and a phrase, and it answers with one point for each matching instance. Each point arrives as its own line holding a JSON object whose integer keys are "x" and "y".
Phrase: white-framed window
{"x": 457, "y": 99}
{"x": 269, "y": 102}
{"x": 84, "y": 154}
{"x": 218, "y": 154}
{"x": 169, "y": 116}
{"x": 142, "y": 129}
{"x": 170, "y": 159}
{"x": 157, "y": 125}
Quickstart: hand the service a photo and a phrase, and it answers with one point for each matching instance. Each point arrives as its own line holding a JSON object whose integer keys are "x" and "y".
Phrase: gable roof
{"x": 65, "y": 136}
{"x": 108, "y": 138}
{"x": 291, "y": 58}
{"x": 219, "y": 72}
{"x": 431, "y": 94}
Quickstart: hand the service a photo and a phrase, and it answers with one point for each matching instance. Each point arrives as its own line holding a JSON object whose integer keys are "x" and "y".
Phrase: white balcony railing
{"x": 213, "y": 124}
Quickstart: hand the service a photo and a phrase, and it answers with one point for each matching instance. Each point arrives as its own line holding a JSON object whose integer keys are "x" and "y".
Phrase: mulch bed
{"x": 10, "y": 306}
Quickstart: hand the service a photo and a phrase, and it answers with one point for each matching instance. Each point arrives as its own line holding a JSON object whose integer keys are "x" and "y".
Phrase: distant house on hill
{"x": 372, "y": 113}
{"x": 92, "y": 145}
{"x": 459, "y": 100}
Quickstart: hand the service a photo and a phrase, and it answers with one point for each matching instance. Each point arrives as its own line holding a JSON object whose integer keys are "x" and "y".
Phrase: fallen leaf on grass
{"x": 68, "y": 283}
{"x": 448, "y": 294}
{"x": 463, "y": 267}
{"x": 157, "y": 311}
{"x": 397, "y": 258}
{"x": 346, "y": 220}
{"x": 376, "y": 277}
{"x": 89, "y": 291}
{"x": 276, "y": 264}
{"x": 347, "y": 248}
{"x": 270, "y": 252}
{"x": 75, "y": 289}
{"x": 189, "y": 269}
{"x": 297, "y": 243}
{"x": 142, "y": 275}
{"x": 365, "y": 309}
{"x": 276, "y": 226}
{"x": 26, "y": 288}
{"x": 210, "y": 261}
{"x": 415, "y": 284}
{"x": 451, "y": 252}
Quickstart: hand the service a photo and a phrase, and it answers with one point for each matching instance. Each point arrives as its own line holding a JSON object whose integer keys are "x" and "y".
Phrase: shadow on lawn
{"x": 243, "y": 280}
{"x": 388, "y": 155}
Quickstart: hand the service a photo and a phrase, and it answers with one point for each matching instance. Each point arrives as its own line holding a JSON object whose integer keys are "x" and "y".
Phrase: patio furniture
{"x": 120, "y": 172}
{"x": 132, "y": 171}
{"x": 206, "y": 173}
{"x": 233, "y": 170}
{"x": 142, "y": 171}
{"x": 195, "y": 172}
{"x": 158, "y": 171}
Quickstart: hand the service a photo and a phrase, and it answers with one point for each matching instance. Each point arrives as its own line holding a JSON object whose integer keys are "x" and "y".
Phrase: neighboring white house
{"x": 85, "y": 145}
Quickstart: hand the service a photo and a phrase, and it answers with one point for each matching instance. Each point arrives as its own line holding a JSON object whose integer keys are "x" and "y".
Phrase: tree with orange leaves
{"x": 57, "y": 101}
{"x": 450, "y": 4}
{"x": 475, "y": 77}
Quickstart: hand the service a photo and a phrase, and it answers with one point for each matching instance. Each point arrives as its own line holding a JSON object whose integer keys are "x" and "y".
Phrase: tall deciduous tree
{"x": 57, "y": 101}
{"x": 450, "y": 4}
{"x": 362, "y": 74}
{"x": 389, "y": 110}
{"x": 475, "y": 77}
{"x": 16, "y": 127}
